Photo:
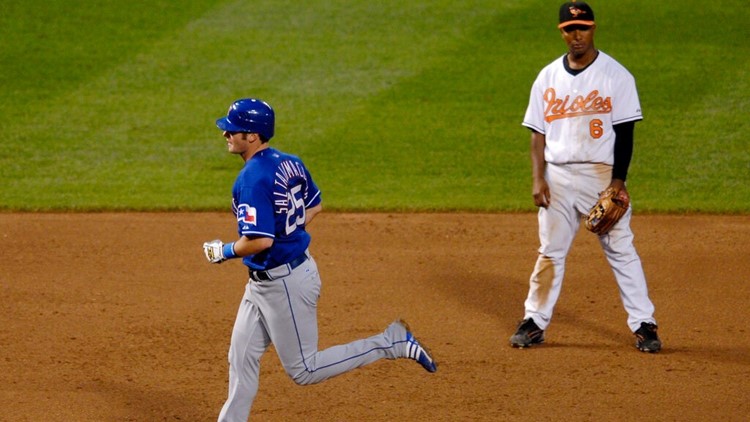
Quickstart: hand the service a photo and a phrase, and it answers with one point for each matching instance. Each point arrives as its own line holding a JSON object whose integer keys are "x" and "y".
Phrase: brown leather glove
{"x": 606, "y": 212}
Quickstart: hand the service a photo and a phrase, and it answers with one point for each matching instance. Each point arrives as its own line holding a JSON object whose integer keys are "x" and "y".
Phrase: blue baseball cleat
{"x": 418, "y": 352}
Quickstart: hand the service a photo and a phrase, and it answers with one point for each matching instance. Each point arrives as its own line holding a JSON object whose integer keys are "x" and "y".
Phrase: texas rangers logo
{"x": 246, "y": 215}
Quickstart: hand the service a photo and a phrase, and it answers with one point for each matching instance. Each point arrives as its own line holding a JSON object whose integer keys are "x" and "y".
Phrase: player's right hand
{"x": 540, "y": 193}
{"x": 214, "y": 251}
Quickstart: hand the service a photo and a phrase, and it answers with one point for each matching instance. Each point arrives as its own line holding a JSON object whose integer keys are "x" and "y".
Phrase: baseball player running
{"x": 274, "y": 199}
{"x": 582, "y": 111}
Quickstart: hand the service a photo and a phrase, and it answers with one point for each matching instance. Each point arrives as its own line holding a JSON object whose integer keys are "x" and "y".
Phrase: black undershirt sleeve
{"x": 623, "y": 149}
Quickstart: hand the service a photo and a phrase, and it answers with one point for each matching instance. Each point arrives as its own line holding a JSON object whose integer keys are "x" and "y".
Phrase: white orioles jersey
{"x": 576, "y": 113}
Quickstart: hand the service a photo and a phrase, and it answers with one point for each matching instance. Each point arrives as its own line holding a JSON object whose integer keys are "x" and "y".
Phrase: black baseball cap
{"x": 576, "y": 13}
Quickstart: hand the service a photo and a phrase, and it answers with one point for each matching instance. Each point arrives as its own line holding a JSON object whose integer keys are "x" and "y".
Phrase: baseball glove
{"x": 607, "y": 211}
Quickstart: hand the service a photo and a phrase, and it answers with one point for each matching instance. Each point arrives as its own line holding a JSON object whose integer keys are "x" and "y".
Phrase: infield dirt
{"x": 118, "y": 317}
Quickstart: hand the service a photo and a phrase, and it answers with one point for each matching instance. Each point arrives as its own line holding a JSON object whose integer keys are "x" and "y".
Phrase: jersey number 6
{"x": 595, "y": 128}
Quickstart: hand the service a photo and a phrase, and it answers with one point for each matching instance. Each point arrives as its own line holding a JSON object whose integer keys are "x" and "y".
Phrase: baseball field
{"x": 408, "y": 115}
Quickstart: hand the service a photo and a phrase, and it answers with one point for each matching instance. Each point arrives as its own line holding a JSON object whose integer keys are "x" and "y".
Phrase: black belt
{"x": 278, "y": 272}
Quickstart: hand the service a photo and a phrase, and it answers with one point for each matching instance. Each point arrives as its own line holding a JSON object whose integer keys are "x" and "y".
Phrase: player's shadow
{"x": 602, "y": 337}
{"x": 739, "y": 355}
{"x": 486, "y": 291}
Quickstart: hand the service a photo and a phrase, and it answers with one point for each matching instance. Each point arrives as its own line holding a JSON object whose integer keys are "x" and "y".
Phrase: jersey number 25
{"x": 296, "y": 213}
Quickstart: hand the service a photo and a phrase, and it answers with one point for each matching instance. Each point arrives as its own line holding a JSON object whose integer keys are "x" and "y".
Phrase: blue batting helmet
{"x": 249, "y": 115}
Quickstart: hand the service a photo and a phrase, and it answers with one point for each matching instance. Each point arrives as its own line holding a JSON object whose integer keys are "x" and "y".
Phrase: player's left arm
{"x": 311, "y": 212}
{"x": 313, "y": 203}
{"x": 623, "y": 155}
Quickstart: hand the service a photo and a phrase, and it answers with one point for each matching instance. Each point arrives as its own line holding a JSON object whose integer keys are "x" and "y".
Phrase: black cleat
{"x": 646, "y": 338}
{"x": 528, "y": 333}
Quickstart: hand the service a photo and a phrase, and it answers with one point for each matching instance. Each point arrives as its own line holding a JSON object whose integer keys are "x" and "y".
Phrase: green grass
{"x": 393, "y": 105}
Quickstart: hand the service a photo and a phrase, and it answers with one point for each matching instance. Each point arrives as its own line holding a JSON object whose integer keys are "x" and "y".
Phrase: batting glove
{"x": 217, "y": 252}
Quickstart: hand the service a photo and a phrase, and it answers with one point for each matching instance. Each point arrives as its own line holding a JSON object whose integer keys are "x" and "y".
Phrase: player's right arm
{"x": 246, "y": 245}
{"x": 217, "y": 251}
{"x": 540, "y": 188}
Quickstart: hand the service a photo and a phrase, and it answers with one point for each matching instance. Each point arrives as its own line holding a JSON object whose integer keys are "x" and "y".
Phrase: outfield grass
{"x": 393, "y": 105}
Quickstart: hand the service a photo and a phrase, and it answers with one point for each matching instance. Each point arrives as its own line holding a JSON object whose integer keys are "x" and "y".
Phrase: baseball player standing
{"x": 274, "y": 199}
{"x": 582, "y": 111}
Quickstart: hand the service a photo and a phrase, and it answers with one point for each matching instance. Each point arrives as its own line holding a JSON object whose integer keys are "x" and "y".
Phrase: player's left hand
{"x": 621, "y": 192}
{"x": 214, "y": 251}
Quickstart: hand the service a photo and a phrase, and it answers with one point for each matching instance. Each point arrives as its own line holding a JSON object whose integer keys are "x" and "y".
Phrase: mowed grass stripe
{"x": 394, "y": 106}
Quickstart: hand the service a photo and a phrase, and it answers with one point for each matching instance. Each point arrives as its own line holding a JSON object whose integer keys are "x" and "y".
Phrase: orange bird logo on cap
{"x": 576, "y": 11}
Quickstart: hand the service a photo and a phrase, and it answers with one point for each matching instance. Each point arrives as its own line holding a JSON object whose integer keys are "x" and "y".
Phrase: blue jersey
{"x": 269, "y": 199}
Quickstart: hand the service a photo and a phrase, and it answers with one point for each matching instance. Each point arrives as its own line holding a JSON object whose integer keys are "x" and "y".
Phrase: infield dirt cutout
{"x": 118, "y": 317}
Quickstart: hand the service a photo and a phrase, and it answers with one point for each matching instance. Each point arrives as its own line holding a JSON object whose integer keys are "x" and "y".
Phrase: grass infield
{"x": 393, "y": 105}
